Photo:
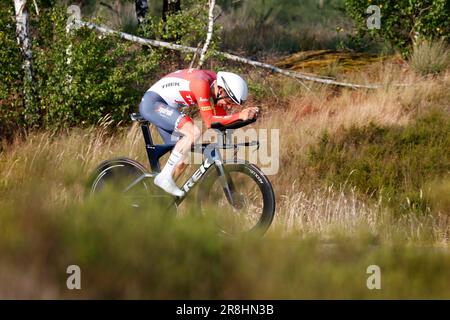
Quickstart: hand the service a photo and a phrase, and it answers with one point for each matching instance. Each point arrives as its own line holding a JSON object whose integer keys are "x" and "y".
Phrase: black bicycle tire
{"x": 259, "y": 177}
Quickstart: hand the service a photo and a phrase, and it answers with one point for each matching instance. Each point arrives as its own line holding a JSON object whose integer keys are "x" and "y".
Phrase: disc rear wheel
{"x": 130, "y": 180}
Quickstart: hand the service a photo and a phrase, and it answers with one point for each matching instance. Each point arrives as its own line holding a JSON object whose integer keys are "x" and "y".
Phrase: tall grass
{"x": 147, "y": 254}
{"x": 430, "y": 57}
{"x": 393, "y": 162}
{"x": 329, "y": 213}
{"x": 303, "y": 112}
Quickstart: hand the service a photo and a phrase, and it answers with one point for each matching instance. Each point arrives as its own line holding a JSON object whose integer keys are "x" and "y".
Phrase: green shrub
{"x": 389, "y": 162}
{"x": 82, "y": 76}
{"x": 11, "y": 75}
{"x": 261, "y": 26}
{"x": 145, "y": 254}
{"x": 430, "y": 57}
{"x": 187, "y": 27}
{"x": 403, "y": 22}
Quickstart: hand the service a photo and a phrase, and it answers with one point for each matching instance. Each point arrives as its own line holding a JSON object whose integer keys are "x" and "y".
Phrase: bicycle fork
{"x": 212, "y": 157}
{"x": 225, "y": 180}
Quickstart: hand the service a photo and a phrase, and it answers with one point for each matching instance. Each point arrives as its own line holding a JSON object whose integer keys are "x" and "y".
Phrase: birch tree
{"x": 24, "y": 42}
{"x": 212, "y": 3}
{"x": 141, "y": 10}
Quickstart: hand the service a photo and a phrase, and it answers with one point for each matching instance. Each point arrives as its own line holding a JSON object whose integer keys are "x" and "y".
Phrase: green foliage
{"x": 281, "y": 26}
{"x": 389, "y": 162}
{"x": 187, "y": 27}
{"x": 11, "y": 75}
{"x": 403, "y": 22}
{"x": 82, "y": 76}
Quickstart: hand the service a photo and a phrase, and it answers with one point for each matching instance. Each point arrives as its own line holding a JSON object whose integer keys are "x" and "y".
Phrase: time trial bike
{"x": 237, "y": 193}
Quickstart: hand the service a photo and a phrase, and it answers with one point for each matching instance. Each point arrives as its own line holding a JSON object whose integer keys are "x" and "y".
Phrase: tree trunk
{"x": 209, "y": 33}
{"x": 22, "y": 37}
{"x": 141, "y": 10}
{"x": 170, "y": 7}
{"x": 24, "y": 42}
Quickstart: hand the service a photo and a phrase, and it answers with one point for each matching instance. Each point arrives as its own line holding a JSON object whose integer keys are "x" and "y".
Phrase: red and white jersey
{"x": 192, "y": 87}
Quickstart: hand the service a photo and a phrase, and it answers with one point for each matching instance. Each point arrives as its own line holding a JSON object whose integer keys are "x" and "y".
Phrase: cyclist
{"x": 212, "y": 93}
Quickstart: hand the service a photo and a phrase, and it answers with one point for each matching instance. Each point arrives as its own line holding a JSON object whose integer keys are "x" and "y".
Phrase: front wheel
{"x": 252, "y": 207}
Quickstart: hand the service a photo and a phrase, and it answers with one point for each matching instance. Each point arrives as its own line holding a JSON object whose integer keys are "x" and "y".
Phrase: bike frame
{"x": 212, "y": 158}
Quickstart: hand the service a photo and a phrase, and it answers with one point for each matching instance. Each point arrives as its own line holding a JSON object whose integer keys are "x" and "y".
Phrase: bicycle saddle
{"x": 136, "y": 116}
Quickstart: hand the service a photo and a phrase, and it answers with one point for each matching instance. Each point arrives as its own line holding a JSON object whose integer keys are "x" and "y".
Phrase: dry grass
{"x": 430, "y": 57}
{"x": 330, "y": 212}
{"x": 307, "y": 113}
{"x": 64, "y": 161}
{"x": 326, "y": 211}
{"x": 62, "y": 165}
{"x": 305, "y": 206}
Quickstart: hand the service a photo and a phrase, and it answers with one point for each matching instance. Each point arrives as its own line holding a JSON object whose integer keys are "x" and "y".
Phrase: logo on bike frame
{"x": 198, "y": 174}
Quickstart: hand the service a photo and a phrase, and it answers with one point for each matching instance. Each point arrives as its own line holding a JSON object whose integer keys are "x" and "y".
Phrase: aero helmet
{"x": 234, "y": 86}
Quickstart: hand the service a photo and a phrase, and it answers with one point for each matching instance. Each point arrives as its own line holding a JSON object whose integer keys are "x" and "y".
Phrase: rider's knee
{"x": 196, "y": 133}
{"x": 191, "y": 132}
{"x": 189, "y": 129}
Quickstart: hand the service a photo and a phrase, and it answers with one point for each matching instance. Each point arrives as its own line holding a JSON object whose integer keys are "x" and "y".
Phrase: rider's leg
{"x": 169, "y": 139}
{"x": 179, "y": 169}
{"x": 167, "y": 119}
{"x": 190, "y": 134}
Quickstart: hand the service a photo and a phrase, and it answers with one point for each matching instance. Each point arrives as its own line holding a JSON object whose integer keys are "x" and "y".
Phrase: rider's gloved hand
{"x": 249, "y": 113}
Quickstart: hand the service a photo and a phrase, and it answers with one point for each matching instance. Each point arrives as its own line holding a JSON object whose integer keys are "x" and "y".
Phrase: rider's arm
{"x": 220, "y": 111}
{"x": 201, "y": 90}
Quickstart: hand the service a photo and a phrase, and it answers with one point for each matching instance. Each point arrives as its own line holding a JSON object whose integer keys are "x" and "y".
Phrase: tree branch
{"x": 289, "y": 73}
{"x": 212, "y": 3}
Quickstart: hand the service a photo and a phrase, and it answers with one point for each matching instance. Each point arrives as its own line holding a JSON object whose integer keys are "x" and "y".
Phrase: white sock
{"x": 174, "y": 159}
